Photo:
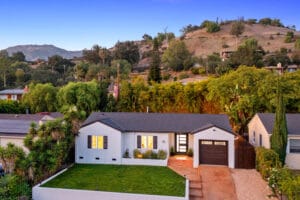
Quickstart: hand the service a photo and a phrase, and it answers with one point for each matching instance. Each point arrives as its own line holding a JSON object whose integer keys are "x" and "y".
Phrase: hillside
{"x": 271, "y": 38}
{"x": 34, "y": 52}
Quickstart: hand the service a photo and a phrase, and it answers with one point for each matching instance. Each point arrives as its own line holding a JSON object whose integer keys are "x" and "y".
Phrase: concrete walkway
{"x": 183, "y": 165}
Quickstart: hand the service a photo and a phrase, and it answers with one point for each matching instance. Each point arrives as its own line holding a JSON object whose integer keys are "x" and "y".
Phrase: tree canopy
{"x": 177, "y": 56}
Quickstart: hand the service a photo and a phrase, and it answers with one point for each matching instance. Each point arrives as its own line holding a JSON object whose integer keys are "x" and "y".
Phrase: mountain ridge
{"x": 35, "y": 51}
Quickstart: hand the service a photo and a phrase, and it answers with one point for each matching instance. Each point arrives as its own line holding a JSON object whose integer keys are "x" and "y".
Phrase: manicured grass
{"x": 116, "y": 178}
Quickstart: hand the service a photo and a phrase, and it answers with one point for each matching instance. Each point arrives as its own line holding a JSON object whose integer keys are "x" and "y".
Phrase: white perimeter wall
{"x": 106, "y": 156}
{"x": 214, "y": 133}
{"x": 44, "y": 193}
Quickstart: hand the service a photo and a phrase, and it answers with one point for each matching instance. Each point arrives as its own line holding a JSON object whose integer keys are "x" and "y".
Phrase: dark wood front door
{"x": 213, "y": 152}
{"x": 181, "y": 143}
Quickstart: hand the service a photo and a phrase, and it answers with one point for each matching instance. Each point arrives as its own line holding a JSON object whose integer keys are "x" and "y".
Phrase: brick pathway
{"x": 183, "y": 165}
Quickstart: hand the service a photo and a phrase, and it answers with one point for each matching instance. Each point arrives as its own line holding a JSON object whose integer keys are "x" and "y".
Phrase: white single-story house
{"x": 14, "y": 127}
{"x": 105, "y": 138}
{"x": 12, "y": 94}
{"x": 260, "y": 131}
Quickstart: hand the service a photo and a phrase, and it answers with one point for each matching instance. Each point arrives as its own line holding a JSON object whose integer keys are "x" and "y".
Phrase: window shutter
{"x": 105, "y": 142}
{"x": 154, "y": 142}
{"x": 139, "y": 139}
{"x": 89, "y": 142}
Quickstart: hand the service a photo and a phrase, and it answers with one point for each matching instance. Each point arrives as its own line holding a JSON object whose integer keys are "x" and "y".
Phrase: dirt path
{"x": 249, "y": 185}
{"x": 217, "y": 183}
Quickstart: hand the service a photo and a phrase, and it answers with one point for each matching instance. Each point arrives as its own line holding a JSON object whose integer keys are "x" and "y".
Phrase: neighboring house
{"x": 12, "y": 94}
{"x": 260, "y": 131}
{"x": 105, "y": 137}
{"x": 14, "y": 127}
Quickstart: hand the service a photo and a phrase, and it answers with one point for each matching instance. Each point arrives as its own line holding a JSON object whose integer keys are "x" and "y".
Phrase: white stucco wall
{"x": 3, "y": 96}
{"x": 292, "y": 160}
{"x": 129, "y": 141}
{"x": 16, "y": 140}
{"x": 255, "y": 125}
{"x": 190, "y": 141}
{"x": 214, "y": 133}
{"x": 106, "y": 156}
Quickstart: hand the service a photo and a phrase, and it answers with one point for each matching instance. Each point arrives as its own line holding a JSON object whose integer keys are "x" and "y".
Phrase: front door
{"x": 181, "y": 140}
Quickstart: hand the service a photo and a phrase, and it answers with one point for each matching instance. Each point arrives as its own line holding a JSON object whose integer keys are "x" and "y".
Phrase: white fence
{"x": 44, "y": 193}
{"x": 153, "y": 162}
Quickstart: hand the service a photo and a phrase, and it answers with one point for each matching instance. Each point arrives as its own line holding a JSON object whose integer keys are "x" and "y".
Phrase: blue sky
{"x": 79, "y": 24}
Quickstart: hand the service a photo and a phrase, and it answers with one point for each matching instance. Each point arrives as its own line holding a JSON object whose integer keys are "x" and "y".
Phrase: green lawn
{"x": 116, "y": 178}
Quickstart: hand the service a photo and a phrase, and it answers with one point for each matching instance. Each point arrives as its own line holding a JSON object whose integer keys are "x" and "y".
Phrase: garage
{"x": 213, "y": 152}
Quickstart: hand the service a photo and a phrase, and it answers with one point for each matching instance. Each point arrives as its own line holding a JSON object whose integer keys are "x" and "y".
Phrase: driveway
{"x": 250, "y": 185}
{"x": 217, "y": 183}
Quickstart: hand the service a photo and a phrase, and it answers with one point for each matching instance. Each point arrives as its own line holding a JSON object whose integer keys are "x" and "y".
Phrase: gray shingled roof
{"x": 19, "y": 124}
{"x": 293, "y": 122}
{"x": 159, "y": 122}
{"x": 12, "y": 91}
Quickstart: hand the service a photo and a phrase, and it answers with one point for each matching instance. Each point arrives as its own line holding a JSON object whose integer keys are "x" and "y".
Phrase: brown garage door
{"x": 213, "y": 152}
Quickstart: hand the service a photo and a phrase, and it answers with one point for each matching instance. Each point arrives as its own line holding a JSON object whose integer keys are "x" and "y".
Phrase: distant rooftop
{"x": 12, "y": 91}
{"x": 293, "y": 122}
{"x": 19, "y": 124}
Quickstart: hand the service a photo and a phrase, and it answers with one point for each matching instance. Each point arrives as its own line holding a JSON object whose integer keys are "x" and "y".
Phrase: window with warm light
{"x": 147, "y": 142}
{"x": 97, "y": 142}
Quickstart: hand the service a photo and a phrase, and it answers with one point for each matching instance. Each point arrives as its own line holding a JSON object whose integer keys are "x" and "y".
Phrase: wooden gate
{"x": 244, "y": 154}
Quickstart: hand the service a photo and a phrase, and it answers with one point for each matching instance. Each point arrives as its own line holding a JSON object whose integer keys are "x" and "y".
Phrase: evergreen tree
{"x": 279, "y": 134}
{"x": 154, "y": 73}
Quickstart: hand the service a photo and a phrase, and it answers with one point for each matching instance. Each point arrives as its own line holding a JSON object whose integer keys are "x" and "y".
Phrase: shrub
{"x": 183, "y": 76}
{"x": 225, "y": 46}
{"x": 147, "y": 154}
{"x": 137, "y": 153}
{"x": 202, "y": 70}
{"x": 276, "y": 178}
{"x": 291, "y": 188}
{"x": 266, "y": 159}
{"x": 166, "y": 76}
{"x": 172, "y": 151}
{"x": 190, "y": 152}
{"x": 161, "y": 154}
{"x": 195, "y": 70}
{"x": 126, "y": 154}
{"x": 154, "y": 155}
{"x": 212, "y": 27}
{"x": 14, "y": 187}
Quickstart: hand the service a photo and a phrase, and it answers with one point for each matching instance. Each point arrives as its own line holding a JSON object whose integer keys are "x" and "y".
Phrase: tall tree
{"x": 237, "y": 29}
{"x": 177, "y": 56}
{"x": 5, "y": 63}
{"x": 154, "y": 72}
{"x": 249, "y": 53}
{"x": 127, "y": 51}
{"x": 18, "y": 56}
{"x": 41, "y": 98}
{"x": 279, "y": 134}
